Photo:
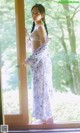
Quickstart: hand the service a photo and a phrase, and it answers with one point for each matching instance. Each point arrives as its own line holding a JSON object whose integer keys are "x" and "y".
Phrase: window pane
{"x": 9, "y": 58}
{"x": 64, "y": 28}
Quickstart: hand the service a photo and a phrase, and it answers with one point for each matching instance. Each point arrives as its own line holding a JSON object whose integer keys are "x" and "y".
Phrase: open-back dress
{"x": 41, "y": 67}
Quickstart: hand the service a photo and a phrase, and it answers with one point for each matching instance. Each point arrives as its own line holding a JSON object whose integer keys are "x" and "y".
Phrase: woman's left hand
{"x": 24, "y": 63}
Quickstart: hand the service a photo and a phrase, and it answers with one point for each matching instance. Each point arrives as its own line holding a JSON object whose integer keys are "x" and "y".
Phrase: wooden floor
{"x": 48, "y": 131}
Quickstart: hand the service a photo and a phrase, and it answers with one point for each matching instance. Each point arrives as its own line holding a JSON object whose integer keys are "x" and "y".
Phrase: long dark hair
{"x": 42, "y": 11}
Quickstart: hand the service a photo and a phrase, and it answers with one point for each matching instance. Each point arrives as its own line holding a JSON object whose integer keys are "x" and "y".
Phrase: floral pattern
{"x": 41, "y": 67}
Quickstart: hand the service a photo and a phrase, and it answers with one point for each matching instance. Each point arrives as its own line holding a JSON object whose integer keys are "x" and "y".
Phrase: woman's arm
{"x": 42, "y": 34}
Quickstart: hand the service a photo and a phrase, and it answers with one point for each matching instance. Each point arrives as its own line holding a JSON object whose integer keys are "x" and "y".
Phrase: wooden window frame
{"x": 21, "y": 118}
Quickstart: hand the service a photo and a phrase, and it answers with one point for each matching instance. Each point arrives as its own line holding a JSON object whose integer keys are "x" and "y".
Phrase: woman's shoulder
{"x": 39, "y": 26}
{"x": 41, "y": 29}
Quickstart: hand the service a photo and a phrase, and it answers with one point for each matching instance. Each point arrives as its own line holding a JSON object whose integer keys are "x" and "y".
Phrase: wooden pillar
{"x": 1, "y": 109}
{"x": 21, "y": 54}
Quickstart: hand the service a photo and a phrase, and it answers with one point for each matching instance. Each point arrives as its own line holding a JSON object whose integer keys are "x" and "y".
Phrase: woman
{"x": 41, "y": 67}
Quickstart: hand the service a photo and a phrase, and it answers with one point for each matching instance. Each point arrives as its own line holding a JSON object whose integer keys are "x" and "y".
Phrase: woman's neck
{"x": 38, "y": 22}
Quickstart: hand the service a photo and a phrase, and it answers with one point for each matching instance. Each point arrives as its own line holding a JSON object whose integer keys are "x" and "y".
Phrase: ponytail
{"x": 33, "y": 26}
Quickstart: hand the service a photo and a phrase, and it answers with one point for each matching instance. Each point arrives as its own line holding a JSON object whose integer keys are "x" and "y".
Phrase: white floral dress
{"x": 41, "y": 67}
